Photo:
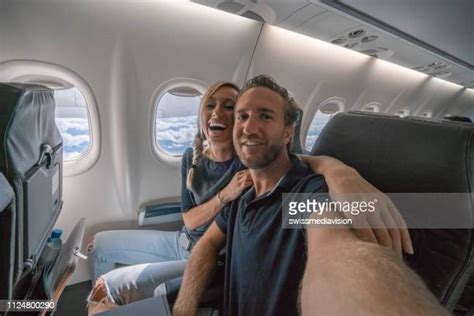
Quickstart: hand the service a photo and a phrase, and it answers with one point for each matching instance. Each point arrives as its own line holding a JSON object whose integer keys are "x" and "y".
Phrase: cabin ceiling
{"x": 435, "y": 37}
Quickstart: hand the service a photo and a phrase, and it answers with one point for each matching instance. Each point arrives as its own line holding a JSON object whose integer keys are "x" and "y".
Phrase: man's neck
{"x": 265, "y": 179}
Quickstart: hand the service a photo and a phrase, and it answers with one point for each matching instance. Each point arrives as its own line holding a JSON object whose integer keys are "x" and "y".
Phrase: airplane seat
{"x": 455, "y": 120}
{"x": 31, "y": 160}
{"x": 399, "y": 155}
{"x": 458, "y": 118}
{"x": 7, "y": 237}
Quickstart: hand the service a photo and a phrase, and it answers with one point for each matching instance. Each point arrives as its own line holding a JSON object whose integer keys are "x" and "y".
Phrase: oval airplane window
{"x": 176, "y": 120}
{"x": 320, "y": 119}
{"x": 72, "y": 120}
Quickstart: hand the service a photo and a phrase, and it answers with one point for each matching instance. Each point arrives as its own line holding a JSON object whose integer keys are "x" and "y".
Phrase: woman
{"x": 212, "y": 176}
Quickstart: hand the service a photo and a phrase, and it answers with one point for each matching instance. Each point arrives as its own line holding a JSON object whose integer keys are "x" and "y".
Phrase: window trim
{"x": 403, "y": 112}
{"x": 160, "y": 155}
{"x": 427, "y": 114}
{"x": 374, "y": 105}
{"x": 339, "y": 101}
{"x": 36, "y": 71}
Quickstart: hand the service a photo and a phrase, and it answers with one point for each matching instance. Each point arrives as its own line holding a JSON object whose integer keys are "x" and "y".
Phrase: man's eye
{"x": 266, "y": 117}
{"x": 240, "y": 117}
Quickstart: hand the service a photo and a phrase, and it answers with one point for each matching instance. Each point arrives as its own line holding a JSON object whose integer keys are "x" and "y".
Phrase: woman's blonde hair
{"x": 199, "y": 138}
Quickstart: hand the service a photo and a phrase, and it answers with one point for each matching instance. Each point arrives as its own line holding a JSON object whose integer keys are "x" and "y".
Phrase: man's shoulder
{"x": 310, "y": 184}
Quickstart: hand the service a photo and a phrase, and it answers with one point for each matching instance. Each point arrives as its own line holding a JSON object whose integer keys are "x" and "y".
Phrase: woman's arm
{"x": 345, "y": 183}
{"x": 205, "y": 212}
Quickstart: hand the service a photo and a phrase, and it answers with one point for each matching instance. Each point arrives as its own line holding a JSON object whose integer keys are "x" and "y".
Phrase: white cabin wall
{"x": 315, "y": 71}
{"x": 124, "y": 51}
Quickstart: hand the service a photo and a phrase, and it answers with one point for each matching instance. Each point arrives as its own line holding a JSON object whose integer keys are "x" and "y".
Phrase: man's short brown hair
{"x": 291, "y": 109}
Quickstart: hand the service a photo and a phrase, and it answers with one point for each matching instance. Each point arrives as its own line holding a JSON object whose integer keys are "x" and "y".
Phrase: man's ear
{"x": 288, "y": 133}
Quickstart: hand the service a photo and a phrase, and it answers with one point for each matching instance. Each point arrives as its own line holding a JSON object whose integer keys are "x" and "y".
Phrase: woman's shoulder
{"x": 187, "y": 157}
{"x": 188, "y": 152}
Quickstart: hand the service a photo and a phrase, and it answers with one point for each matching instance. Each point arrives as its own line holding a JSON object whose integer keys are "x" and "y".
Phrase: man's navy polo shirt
{"x": 265, "y": 263}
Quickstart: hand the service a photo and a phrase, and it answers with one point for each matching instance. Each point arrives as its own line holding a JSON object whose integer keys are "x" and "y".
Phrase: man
{"x": 265, "y": 263}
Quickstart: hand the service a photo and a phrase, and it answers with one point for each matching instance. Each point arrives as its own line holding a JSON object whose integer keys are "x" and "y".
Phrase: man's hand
{"x": 385, "y": 225}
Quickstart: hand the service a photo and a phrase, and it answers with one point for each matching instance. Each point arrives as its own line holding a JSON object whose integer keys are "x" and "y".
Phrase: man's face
{"x": 260, "y": 133}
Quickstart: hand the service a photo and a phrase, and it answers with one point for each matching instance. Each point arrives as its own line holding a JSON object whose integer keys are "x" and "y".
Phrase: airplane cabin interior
{"x": 100, "y": 99}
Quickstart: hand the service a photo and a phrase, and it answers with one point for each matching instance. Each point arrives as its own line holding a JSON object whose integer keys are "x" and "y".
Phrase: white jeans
{"x": 152, "y": 257}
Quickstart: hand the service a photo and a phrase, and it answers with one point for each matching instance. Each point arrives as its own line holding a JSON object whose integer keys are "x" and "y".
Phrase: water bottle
{"x": 52, "y": 249}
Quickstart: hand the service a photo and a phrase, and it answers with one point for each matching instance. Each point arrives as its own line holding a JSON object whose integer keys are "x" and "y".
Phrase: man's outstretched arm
{"x": 347, "y": 276}
{"x": 199, "y": 271}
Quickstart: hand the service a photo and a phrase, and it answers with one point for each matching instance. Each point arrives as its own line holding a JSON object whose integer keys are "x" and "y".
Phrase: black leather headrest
{"x": 402, "y": 155}
{"x": 414, "y": 156}
{"x": 296, "y": 147}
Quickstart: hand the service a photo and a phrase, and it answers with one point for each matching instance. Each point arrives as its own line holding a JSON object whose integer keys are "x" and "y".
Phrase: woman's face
{"x": 217, "y": 116}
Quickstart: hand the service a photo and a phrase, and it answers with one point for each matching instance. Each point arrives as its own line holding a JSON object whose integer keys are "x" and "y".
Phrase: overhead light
{"x": 357, "y": 33}
{"x": 353, "y": 45}
{"x": 231, "y": 7}
{"x": 428, "y": 69}
{"x": 378, "y": 52}
{"x": 340, "y": 40}
{"x": 436, "y": 63}
{"x": 419, "y": 68}
{"x": 370, "y": 38}
{"x": 443, "y": 66}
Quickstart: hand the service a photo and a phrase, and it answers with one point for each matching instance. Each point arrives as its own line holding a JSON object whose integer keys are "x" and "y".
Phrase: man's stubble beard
{"x": 266, "y": 159}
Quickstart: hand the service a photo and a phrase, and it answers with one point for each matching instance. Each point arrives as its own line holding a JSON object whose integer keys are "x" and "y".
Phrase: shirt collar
{"x": 298, "y": 170}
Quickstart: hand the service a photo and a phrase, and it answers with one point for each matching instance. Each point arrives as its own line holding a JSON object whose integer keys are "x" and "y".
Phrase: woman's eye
{"x": 210, "y": 106}
{"x": 229, "y": 106}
